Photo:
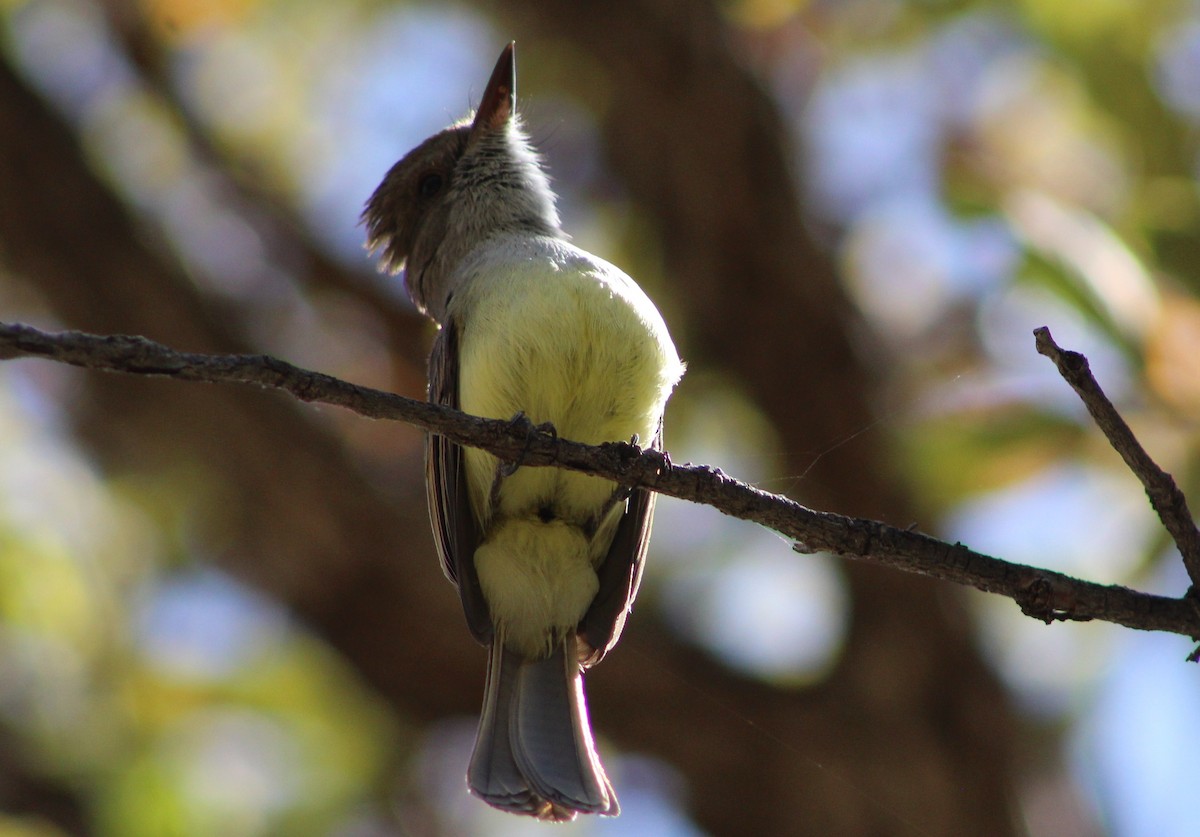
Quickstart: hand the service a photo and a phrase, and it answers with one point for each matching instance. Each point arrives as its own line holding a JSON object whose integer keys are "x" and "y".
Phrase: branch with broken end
{"x": 1042, "y": 594}
{"x": 1168, "y": 502}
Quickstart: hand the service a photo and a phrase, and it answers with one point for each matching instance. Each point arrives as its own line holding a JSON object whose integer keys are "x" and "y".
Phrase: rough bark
{"x": 1041, "y": 593}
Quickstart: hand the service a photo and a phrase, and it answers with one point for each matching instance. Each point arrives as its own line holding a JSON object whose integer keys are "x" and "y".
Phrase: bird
{"x": 547, "y": 562}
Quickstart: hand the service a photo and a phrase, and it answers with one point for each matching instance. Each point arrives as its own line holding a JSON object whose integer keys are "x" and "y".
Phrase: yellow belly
{"x": 593, "y": 359}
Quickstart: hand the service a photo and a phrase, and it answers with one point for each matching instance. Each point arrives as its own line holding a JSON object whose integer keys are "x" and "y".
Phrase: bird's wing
{"x": 620, "y": 575}
{"x": 456, "y": 532}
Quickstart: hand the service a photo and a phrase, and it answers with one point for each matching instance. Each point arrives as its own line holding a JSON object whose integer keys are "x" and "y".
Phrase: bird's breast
{"x": 573, "y": 343}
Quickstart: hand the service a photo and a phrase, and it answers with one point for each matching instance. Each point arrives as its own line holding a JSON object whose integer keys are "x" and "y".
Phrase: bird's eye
{"x": 429, "y": 185}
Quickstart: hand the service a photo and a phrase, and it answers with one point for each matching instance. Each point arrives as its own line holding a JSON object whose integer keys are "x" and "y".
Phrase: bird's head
{"x": 473, "y": 180}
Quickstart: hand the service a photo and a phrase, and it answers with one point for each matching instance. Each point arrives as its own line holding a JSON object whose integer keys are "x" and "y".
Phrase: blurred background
{"x": 220, "y": 610}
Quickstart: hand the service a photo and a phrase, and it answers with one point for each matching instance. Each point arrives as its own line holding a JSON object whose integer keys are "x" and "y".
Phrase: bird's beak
{"x": 500, "y": 96}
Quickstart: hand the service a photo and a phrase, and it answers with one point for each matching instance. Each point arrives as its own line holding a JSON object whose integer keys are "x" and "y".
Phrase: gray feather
{"x": 493, "y": 774}
{"x": 534, "y": 752}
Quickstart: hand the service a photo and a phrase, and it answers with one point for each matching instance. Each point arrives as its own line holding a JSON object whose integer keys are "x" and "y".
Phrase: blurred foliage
{"x": 981, "y": 168}
{"x": 181, "y": 702}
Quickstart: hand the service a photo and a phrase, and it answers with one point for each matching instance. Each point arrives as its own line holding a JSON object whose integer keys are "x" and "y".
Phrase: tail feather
{"x": 534, "y": 752}
{"x": 493, "y": 775}
{"x": 553, "y": 740}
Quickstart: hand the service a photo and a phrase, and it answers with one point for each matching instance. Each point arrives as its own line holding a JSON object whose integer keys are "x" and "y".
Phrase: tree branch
{"x": 1165, "y": 497}
{"x": 1042, "y": 594}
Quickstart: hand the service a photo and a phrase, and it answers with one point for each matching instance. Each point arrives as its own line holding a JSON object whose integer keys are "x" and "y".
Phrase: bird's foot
{"x": 504, "y": 470}
{"x": 521, "y": 421}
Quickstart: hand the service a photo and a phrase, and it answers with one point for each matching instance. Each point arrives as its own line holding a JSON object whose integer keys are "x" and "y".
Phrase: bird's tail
{"x": 534, "y": 752}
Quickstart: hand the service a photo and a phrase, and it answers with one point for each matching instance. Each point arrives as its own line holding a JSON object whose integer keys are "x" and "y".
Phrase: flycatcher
{"x": 547, "y": 562}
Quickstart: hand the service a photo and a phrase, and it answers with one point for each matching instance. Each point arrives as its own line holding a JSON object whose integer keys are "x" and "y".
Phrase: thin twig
{"x": 1165, "y": 497}
{"x": 1043, "y": 594}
